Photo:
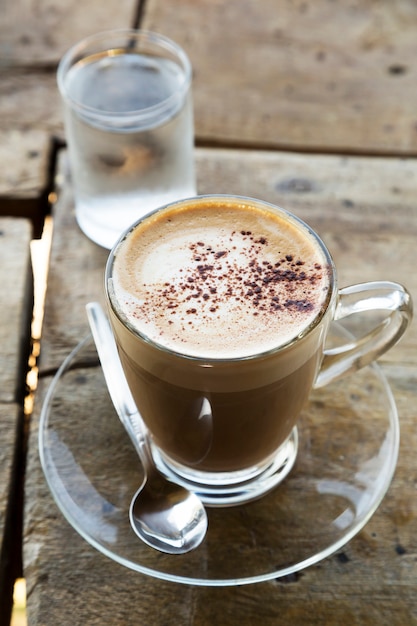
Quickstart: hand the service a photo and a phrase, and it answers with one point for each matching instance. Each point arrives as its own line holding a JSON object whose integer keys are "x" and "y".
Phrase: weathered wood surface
{"x": 29, "y": 101}
{"x": 33, "y": 37}
{"x": 323, "y": 77}
{"x": 35, "y": 34}
{"x": 319, "y": 75}
{"x": 15, "y": 305}
{"x": 15, "y": 317}
{"x": 370, "y": 228}
{"x": 24, "y": 157}
{"x": 24, "y": 175}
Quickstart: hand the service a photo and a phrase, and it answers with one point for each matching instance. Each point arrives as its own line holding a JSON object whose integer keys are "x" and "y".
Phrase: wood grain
{"x": 323, "y": 76}
{"x": 33, "y": 37}
{"x": 16, "y": 297}
{"x": 36, "y": 33}
{"x": 372, "y": 580}
{"x": 336, "y": 76}
{"x": 283, "y": 92}
{"x": 15, "y": 317}
{"x": 25, "y": 159}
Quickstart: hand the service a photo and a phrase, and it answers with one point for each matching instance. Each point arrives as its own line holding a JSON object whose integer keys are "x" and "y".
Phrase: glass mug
{"x": 220, "y": 306}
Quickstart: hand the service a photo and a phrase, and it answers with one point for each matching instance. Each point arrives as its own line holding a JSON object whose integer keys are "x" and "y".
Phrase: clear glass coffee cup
{"x": 129, "y": 128}
{"x": 220, "y": 306}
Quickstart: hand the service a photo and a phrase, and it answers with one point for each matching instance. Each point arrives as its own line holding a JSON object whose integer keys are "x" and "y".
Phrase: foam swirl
{"x": 220, "y": 279}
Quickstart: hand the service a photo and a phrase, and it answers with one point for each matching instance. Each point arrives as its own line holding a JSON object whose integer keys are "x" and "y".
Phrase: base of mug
{"x": 222, "y": 489}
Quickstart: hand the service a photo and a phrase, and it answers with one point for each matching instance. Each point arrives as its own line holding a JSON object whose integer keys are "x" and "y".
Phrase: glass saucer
{"x": 348, "y": 447}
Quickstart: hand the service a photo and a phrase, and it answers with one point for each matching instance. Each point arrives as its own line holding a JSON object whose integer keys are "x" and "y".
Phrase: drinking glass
{"x": 129, "y": 127}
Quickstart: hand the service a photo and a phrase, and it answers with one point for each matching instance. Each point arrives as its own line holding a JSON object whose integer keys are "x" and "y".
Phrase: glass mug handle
{"x": 371, "y": 296}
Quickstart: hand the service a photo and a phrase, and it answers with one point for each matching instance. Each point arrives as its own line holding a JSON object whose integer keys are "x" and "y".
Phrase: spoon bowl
{"x": 166, "y": 516}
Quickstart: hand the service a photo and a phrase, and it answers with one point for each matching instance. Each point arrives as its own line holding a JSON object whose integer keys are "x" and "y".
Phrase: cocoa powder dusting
{"x": 276, "y": 287}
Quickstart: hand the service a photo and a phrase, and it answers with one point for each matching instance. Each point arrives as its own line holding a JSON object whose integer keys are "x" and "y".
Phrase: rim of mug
{"x": 77, "y": 53}
{"x": 327, "y": 303}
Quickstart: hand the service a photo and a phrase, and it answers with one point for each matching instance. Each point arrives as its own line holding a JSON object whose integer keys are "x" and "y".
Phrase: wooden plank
{"x": 293, "y": 84}
{"x": 33, "y": 37}
{"x": 15, "y": 316}
{"x": 11, "y": 455}
{"x": 35, "y": 33}
{"x": 69, "y": 582}
{"x": 24, "y": 156}
{"x": 25, "y": 147}
{"x": 324, "y": 75}
{"x": 24, "y": 175}
{"x": 16, "y": 301}
{"x": 29, "y": 100}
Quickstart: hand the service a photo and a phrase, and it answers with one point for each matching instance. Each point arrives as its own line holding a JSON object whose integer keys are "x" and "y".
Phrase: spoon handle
{"x": 116, "y": 382}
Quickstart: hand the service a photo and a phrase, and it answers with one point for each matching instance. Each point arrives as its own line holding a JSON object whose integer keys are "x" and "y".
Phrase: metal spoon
{"x": 164, "y": 515}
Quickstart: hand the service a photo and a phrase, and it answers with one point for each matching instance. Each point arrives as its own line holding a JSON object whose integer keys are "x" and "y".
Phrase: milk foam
{"x": 219, "y": 279}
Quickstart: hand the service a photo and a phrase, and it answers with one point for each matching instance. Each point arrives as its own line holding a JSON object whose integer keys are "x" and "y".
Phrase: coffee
{"x": 221, "y": 307}
{"x": 220, "y": 280}
{"x": 215, "y": 304}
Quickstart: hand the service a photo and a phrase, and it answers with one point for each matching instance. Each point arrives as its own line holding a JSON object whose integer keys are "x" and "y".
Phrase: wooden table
{"x": 307, "y": 105}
